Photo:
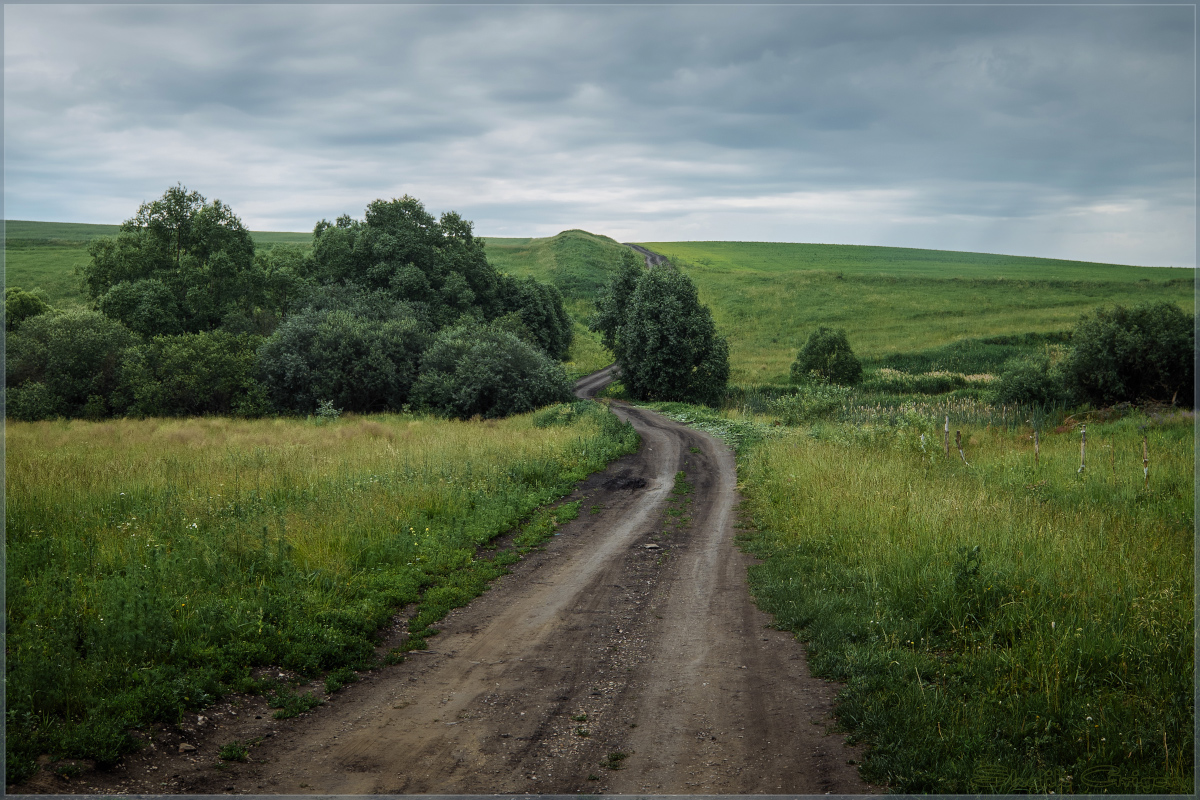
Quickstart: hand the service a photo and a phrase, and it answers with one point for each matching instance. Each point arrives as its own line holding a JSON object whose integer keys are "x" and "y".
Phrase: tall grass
{"x": 1002, "y": 627}
{"x": 154, "y": 565}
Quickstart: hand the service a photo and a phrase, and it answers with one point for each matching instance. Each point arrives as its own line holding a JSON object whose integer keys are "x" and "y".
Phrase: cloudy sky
{"x": 1064, "y": 131}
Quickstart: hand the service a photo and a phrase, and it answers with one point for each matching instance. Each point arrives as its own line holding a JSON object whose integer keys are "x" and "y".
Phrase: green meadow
{"x": 767, "y": 298}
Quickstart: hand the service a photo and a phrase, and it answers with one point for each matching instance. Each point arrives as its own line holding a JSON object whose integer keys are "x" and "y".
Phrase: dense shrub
{"x": 481, "y": 370}
{"x": 192, "y": 374}
{"x": 58, "y": 363}
{"x": 539, "y": 306}
{"x": 1028, "y": 380}
{"x": 666, "y": 342}
{"x": 1133, "y": 354}
{"x": 827, "y": 353}
{"x": 362, "y": 362}
{"x": 20, "y": 305}
{"x": 147, "y": 307}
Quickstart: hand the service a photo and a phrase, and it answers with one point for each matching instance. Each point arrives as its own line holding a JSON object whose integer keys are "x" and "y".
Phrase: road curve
{"x": 631, "y": 633}
{"x": 652, "y": 259}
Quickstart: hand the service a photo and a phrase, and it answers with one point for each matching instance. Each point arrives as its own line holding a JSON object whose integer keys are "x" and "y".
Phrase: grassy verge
{"x": 154, "y": 565}
{"x": 1001, "y": 627}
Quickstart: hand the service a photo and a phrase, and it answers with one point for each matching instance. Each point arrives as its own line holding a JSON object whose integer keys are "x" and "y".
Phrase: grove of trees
{"x": 189, "y": 318}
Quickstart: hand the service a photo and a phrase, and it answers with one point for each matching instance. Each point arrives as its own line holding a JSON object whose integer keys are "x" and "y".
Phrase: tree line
{"x": 397, "y": 310}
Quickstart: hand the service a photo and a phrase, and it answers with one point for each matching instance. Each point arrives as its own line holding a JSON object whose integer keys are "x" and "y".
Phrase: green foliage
{"x": 339, "y": 679}
{"x": 478, "y": 370}
{"x": 539, "y": 309}
{"x": 1142, "y": 353}
{"x": 400, "y": 248}
{"x": 613, "y": 301}
{"x": 289, "y": 704}
{"x": 213, "y": 372}
{"x": 234, "y": 751}
{"x": 56, "y": 362}
{"x": 666, "y": 344}
{"x": 20, "y": 305}
{"x": 827, "y": 355}
{"x": 147, "y": 307}
{"x": 363, "y": 360}
{"x": 197, "y": 257}
{"x": 1029, "y": 381}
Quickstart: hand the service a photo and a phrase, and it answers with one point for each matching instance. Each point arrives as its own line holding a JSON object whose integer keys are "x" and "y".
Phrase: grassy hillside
{"x": 577, "y": 262}
{"x": 767, "y": 298}
{"x": 45, "y": 255}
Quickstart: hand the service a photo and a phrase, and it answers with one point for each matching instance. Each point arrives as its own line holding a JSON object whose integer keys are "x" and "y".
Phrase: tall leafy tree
{"x": 666, "y": 343}
{"x": 199, "y": 251}
{"x": 614, "y": 299}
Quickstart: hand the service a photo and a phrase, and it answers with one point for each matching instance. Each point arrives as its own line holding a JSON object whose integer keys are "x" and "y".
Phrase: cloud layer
{"x": 1055, "y": 131}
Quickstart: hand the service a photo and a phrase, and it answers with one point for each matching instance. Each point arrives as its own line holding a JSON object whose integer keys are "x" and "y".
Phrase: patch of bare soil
{"x": 625, "y": 657}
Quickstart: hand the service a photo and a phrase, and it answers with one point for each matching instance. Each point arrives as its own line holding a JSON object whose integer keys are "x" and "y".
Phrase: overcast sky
{"x": 1066, "y": 131}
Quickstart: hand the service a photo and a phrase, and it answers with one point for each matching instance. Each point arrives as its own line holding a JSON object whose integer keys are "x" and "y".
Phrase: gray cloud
{"x": 1056, "y": 131}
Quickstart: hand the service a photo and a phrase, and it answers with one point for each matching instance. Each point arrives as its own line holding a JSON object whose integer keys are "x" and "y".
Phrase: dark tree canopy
{"x": 664, "y": 340}
{"x": 199, "y": 251}
{"x": 481, "y": 370}
{"x": 1144, "y": 353}
{"x": 614, "y": 299}
{"x": 827, "y": 354}
{"x": 20, "y": 305}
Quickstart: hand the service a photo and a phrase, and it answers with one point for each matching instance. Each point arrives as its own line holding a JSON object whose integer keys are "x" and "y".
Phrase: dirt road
{"x": 652, "y": 259}
{"x": 625, "y": 658}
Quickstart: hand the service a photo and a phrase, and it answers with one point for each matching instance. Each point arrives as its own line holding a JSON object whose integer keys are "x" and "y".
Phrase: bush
{"x": 1145, "y": 353}
{"x": 1029, "y": 381}
{"x": 478, "y": 369}
{"x": 192, "y": 374}
{"x": 20, "y": 305}
{"x": 56, "y": 362}
{"x": 146, "y": 307}
{"x": 827, "y": 353}
{"x": 362, "y": 362}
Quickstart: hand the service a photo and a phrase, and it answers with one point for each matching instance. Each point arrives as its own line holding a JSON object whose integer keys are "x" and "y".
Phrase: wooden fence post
{"x": 1082, "y": 448}
{"x": 1145, "y": 461}
{"x": 947, "y": 440}
{"x": 958, "y": 441}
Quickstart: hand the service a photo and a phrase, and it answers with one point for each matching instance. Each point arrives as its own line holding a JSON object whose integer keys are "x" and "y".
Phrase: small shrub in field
{"x": 1028, "y": 381}
{"x": 827, "y": 353}
{"x": 339, "y": 679}
{"x": 291, "y": 704}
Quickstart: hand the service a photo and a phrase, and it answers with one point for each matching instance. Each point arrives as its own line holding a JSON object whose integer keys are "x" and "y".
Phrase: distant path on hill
{"x": 624, "y": 658}
{"x": 652, "y": 259}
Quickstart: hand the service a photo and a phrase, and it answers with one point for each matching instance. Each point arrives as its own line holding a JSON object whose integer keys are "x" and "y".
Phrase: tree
{"x": 827, "y": 353}
{"x": 480, "y": 370}
{"x": 614, "y": 299}
{"x": 666, "y": 343}
{"x": 20, "y": 305}
{"x": 147, "y": 307}
{"x": 213, "y": 372}
{"x": 1144, "y": 353}
{"x": 540, "y": 308}
{"x": 362, "y": 359}
{"x": 199, "y": 251}
{"x": 64, "y": 363}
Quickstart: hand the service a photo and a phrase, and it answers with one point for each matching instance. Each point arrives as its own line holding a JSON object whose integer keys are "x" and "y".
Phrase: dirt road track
{"x": 598, "y": 645}
{"x": 652, "y": 259}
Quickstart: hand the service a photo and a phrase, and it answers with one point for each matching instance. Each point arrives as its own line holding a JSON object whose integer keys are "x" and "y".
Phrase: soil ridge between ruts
{"x": 625, "y": 657}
